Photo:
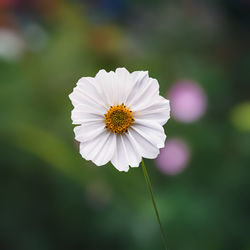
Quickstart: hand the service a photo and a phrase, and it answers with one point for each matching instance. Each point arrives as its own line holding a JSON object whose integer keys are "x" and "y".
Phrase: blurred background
{"x": 51, "y": 198}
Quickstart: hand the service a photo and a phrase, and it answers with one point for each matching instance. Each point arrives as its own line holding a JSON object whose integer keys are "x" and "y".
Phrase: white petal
{"x": 132, "y": 153}
{"x": 123, "y": 84}
{"x": 89, "y": 131}
{"x": 144, "y": 93}
{"x": 91, "y": 89}
{"x": 108, "y": 87}
{"x": 106, "y": 152}
{"x": 151, "y": 131}
{"x": 158, "y": 111}
{"x": 120, "y": 159}
{"x": 137, "y": 79}
{"x": 138, "y": 75}
{"x": 79, "y": 117}
{"x": 85, "y": 114}
{"x": 99, "y": 150}
{"x": 79, "y": 98}
{"x": 146, "y": 148}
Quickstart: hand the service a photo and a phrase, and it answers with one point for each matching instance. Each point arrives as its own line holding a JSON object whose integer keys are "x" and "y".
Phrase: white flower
{"x": 121, "y": 115}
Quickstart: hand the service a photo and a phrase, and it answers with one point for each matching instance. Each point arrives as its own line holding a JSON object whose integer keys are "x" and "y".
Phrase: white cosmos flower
{"x": 120, "y": 117}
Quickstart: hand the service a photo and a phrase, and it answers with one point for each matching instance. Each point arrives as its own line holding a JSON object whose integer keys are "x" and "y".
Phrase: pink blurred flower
{"x": 188, "y": 101}
{"x": 174, "y": 157}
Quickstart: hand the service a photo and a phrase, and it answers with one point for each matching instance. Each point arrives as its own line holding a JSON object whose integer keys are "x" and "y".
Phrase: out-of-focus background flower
{"x": 50, "y": 198}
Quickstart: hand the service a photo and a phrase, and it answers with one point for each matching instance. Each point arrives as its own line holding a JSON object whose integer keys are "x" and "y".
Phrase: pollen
{"x": 118, "y": 119}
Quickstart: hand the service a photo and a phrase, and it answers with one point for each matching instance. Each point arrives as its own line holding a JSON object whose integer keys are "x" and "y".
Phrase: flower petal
{"x": 85, "y": 114}
{"x": 106, "y": 151}
{"x": 144, "y": 93}
{"x": 137, "y": 78}
{"x": 79, "y": 98}
{"x": 158, "y": 111}
{"x": 90, "y": 88}
{"x": 151, "y": 131}
{"x": 132, "y": 153}
{"x": 99, "y": 150}
{"x": 145, "y": 147}
{"x": 120, "y": 159}
{"x": 90, "y": 131}
{"x": 108, "y": 87}
{"x": 123, "y": 84}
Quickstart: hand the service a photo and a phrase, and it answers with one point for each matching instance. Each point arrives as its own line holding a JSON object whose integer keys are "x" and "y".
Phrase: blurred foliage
{"x": 53, "y": 199}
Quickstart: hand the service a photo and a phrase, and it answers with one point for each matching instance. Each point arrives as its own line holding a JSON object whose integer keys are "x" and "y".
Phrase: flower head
{"x": 120, "y": 117}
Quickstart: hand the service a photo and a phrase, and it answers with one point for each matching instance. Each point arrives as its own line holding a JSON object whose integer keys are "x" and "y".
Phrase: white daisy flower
{"x": 120, "y": 117}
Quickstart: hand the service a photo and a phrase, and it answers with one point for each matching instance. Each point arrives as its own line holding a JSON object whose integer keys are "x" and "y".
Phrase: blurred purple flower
{"x": 188, "y": 101}
{"x": 174, "y": 157}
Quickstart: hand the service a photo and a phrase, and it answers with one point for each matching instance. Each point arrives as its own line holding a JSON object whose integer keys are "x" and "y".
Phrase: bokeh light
{"x": 12, "y": 46}
{"x": 240, "y": 116}
{"x": 188, "y": 101}
{"x": 174, "y": 157}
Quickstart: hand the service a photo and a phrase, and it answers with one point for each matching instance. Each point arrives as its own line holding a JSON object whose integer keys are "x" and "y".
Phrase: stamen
{"x": 118, "y": 119}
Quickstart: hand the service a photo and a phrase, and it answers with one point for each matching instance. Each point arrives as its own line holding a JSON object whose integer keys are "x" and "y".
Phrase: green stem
{"x": 154, "y": 203}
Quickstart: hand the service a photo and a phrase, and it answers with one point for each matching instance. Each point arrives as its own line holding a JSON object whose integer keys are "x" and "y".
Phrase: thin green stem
{"x": 154, "y": 203}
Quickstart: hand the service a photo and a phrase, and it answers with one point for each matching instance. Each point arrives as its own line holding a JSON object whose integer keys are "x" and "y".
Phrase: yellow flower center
{"x": 118, "y": 119}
